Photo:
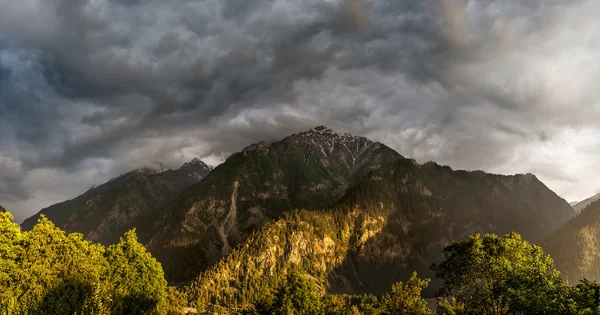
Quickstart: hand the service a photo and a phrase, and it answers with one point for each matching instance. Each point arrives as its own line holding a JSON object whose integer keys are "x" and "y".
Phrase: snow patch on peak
{"x": 196, "y": 162}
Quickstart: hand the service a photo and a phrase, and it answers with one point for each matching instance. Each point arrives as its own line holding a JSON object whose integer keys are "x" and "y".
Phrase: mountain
{"x": 575, "y": 248}
{"x": 310, "y": 170}
{"x": 396, "y": 221}
{"x": 105, "y": 212}
{"x": 582, "y": 204}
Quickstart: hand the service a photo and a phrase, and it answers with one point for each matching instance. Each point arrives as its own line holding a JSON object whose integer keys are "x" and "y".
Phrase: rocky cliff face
{"x": 310, "y": 170}
{"x": 575, "y": 248}
{"x": 105, "y": 212}
{"x": 396, "y": 221}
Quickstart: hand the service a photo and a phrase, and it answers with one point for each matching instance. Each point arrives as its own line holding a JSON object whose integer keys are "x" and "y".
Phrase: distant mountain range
{"x": 580, "y": 205}
{"x": 575, "y": 248}
{"x": 353, "y": 213}
{"x": 105, "y": 212}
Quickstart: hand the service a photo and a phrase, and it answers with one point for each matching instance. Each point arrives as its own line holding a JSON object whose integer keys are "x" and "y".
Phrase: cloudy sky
{"x": 90, "y": 89}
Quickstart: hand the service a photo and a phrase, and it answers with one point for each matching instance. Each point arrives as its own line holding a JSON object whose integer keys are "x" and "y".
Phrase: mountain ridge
{"x": 103, "y": 213}
{"x": 580, "y": 205}
{"x": 310, "y": 169}
{"x": 575, "y": 248}
{"x": 395, "y": 221}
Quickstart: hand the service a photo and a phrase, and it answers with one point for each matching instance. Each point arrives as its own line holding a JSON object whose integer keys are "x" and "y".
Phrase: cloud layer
{"x": 92, "y": 88}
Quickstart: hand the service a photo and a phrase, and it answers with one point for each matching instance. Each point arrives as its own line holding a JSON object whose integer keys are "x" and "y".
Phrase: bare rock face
{"x": 105, "y": 212}
{"x": 310, "y": 170}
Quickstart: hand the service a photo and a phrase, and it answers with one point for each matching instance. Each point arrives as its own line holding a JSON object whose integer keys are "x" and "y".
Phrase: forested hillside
{"x": 105, "y": 212}
{"x": 394, "y": 222}
{"x": 579, "y": 206}
{"x": 576, "y": 247}
{"x": 310, "y": 170}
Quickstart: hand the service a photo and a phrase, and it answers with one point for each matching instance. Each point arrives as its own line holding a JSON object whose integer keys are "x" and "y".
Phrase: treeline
{"x": 46, "y": 271}
{"x": 481, "y": 275}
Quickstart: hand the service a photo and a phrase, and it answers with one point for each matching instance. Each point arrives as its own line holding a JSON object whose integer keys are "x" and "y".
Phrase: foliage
{"x": 45, "y": 271}
{"x": 502, "y": 275}
{"x": 297, "y": 296}
{"x": 129, "y": 263}
{"x": 176, "y": 301}
{"x": 405, "y": 298}
{"x": 586, "y": 297}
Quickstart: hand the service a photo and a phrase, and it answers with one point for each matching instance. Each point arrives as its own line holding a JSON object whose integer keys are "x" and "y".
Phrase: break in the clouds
{"x": 93, "y": 88}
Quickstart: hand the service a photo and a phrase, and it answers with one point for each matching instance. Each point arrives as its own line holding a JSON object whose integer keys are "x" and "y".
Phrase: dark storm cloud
{"x": 94, "y": 88}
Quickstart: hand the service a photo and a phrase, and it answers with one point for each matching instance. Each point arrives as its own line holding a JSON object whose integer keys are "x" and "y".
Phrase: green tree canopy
{"x": 405, "y": 298}
{"x": 138, "y": 282}
{"x": 502, "y": 275}
{"x": 299, "y": 296}
{"x": 46, "y": 271}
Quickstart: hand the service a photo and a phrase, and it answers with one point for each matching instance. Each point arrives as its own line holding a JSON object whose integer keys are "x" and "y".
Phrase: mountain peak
{"x": 194, "y": 162}
{"x": 258, "y": 146}
{"x": 326, "y": 133}
{"x": 196, "y": 169}
{"x": 323, "y": 130}
{"x": 579, "y": 206}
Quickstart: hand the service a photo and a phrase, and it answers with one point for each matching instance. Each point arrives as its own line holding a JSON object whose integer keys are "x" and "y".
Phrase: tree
{"x": 502, "y": 275}
{"x": 138, "y": 283}
{"x": 586, "y": 295}
{"x": 335, "y": 305}
{"x": 297, "y": 296}
{"x": 176, "y": 301}
{"x": 405, "y": 298}
{"x": 45, "y": 271}
{"x": 10, "y": 249}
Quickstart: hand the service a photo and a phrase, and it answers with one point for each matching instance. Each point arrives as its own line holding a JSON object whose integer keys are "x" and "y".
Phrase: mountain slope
{"x": 582, "y": 204}
{"x": 396, "y": 221}
{"x": 575, "y": 248}
{"x": 310, "y": 170}
{"x": 105, "y": 212}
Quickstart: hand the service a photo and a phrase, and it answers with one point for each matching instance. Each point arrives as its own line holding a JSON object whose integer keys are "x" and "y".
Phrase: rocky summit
{"x": 310, "y": 170}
